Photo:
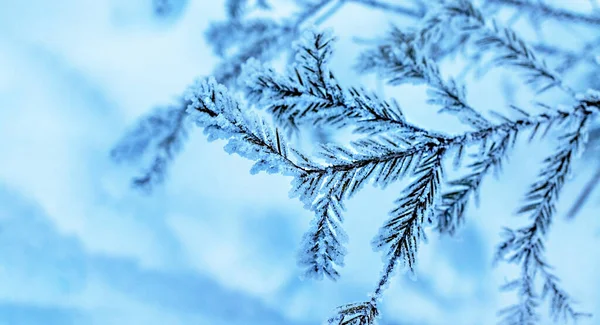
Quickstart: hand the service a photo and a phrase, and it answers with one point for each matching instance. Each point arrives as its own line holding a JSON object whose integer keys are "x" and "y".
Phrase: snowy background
{"x": 213, "y": 245}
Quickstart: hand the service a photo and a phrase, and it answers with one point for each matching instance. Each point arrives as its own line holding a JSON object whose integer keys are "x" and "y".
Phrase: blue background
{"x": 214, "y": 245}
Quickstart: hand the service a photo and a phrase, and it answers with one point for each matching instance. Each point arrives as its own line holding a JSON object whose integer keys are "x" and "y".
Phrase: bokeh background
{"x": 214, "y": 245}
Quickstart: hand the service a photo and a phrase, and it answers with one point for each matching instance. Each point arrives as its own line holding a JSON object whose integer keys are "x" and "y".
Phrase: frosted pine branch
{"x": 261, "y": 40}
{"x": 525, "y": 246}
{"x": 401, "y": 234}
{"x": 386, "y": 161}
{"x": 450, "y": 212}
{"x": 386, "y": 147}
{"x": 507, "y": 47}
{"x": 219, "y": 114}
{"x": 397, "y": 150}
{"x": 347, "y": 170}
{"x": 310, "y": 93}
{"x": 402, "y": 60}
{"x": 562, "y": 306}
{"x": 162, "y": 132}
{"x": 323, "y": 248}
{"x": 362, "y": 313}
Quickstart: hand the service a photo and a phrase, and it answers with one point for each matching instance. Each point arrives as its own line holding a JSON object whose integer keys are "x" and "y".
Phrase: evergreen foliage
{"x": 257, "y": 109}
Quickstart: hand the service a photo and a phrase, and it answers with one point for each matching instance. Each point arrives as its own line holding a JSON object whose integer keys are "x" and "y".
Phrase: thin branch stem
{"x": 551, "y": 12}
{"x": 584, "y": 195}
{"x": 442, "y": 143}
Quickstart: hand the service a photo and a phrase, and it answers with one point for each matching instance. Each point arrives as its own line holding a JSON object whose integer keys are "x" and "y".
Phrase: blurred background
{"x": 213, "y": 244}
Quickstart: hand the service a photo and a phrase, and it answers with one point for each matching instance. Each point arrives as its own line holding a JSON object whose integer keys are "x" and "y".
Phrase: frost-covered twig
{"x": 260, "y": 39}
{"x": 163, "y": 131}
{"x": 267, "y": 36}
{"x": 389, "y": 148}
{"x": 309, "y": 93}
{"x": 361, "y": 313}
{"x": 401, "y": 234}
{"x": 323, "y": 248}
{"x": 507, "y": 47}
{"x": 400, "y": 59}
{"x": 220, "y": 115}
{"x": 346, "y": 170}
{"x": 525, "y": 246}
{"x": 450, "y": 212}
{"x": 533, "y": 122}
